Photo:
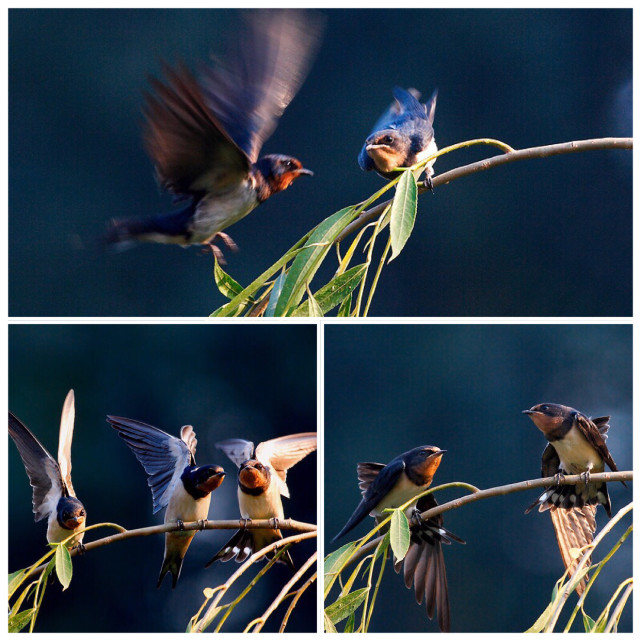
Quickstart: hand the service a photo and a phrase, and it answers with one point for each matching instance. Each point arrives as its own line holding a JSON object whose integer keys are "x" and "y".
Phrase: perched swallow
{"x": 392, "y": 485}
{"x": 53, "y": 494}
{"x": 175, "y": 481}
{"x": 402, "y": 136}
{"x": 576, "y": 446}
{"x": 204, "y": 136}
{"x": 262, "y": 475}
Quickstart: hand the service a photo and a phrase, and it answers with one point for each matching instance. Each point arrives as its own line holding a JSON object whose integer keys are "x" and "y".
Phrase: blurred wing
{"x": 284, "y": 452}
{"x": 574, "y": 529}
{"x": 67, "y": 419}
{"x": 163, "y": 457}
{"x": 188, "y": 146}
{"x": 550, "y": 461}
{"x": 43, "y": 471}
{"x": 237, "y": 449}
{"x": 267, "y": 64}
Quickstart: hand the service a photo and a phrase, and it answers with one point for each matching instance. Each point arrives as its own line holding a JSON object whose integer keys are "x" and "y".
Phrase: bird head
{"x": 281, "y": 171}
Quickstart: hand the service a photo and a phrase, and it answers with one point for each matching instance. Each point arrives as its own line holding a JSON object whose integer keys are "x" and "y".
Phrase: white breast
{"x": 402, "y": 492}
{"x": 185, "y": 507}
{"x": 264, "y": 506}
{"x": 576, "y": 454}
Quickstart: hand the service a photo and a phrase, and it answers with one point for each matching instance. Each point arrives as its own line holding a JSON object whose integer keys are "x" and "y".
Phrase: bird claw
{"x": 428, "y": 183}
{"x": 416, "y": 517}
{"x": 181, "y": 525}
{"x": 80, "y": 547}
{"x": 585, "y": 476}
{"x": 244, "y": 522}
{"x": 229, "y": 243}
{"x": 202, "y": 523}
{"x": 558, "y": 478}
{"x": 274, "y": 521}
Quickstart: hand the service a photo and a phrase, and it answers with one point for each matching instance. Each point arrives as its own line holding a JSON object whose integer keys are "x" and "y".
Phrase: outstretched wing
{"x": 284, "y": 452}
{"x": 237, "y": 449}
{"x": 67, "y": 419}
{"x": 43, "y": 471}
{"x": 266, "y": 65}
{"x": 163, "y": 456}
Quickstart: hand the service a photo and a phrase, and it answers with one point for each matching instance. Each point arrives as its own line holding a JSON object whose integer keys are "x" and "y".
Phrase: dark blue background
{"x": 390, "y": 388}
{"x": 249, "y": 382}
{"x": 541, "y": 237}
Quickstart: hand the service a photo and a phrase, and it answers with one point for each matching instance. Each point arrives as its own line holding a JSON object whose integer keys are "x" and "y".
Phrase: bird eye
{"x": 82, "y": 513}
{"x": 387, "y": 140}
{"x": 288, "y": 164}
{"x": 545, "y": 408}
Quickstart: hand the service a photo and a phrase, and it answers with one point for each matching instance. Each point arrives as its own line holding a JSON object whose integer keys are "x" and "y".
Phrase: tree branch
{"x": 498, "y": 491}
{"x": 576, "y": 146}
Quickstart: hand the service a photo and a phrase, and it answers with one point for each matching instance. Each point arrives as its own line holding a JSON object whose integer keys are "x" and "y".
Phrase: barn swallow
{"x": 53, "y": 494}
{"x": 576, "y": 445}
{"x": 392, "y": 485}
{"x": 176, "y": 482}
{"x": 262, "y": 472}
{"x": 402, "y": 136}
{"x": 204, "y": 136}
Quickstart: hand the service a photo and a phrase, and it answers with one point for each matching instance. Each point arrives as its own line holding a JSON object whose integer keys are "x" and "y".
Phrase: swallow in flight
{"x": 402, "y": 136}
{"x": 204, "y": 135}
{"x": 392, "y": 485}
{"x": 262, "y": 475}
{"x": 576, "y": 445}
{"x": 53, "y": 494}
{"x": 176, "y": 482}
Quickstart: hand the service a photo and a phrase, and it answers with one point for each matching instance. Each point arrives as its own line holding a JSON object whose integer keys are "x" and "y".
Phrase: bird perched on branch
{"x": 176, "y": 482}
{"x": 392, "y": 485}
{"x": 402, "y": 136}
{"x": 262, "y": 475}
{"x": 576, "y": 445}
{"x": 53, "y": 494}
{"x": 204, "y": 135}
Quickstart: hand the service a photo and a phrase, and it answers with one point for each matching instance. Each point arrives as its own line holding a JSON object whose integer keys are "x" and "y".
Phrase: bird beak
{"x": 306, "y": 172}
{"x": 527, "y": 412}
{"x": 440, "y": 452}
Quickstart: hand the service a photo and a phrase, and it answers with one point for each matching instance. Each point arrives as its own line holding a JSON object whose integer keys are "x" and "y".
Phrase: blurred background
{"x": 536, "y": 238}
{"x": 389, "y": 388}
{"x": 227, "y": 381}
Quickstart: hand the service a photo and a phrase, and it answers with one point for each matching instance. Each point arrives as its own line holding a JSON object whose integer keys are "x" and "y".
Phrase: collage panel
{"x": 165, "y": 138}
{"x": 406, "y": 406}
{"x": 250, "y": 397}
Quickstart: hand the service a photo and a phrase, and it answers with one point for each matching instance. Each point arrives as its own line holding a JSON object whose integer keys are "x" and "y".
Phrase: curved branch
{"x": 499, "y": 491}
{"x": 576, "y": 146}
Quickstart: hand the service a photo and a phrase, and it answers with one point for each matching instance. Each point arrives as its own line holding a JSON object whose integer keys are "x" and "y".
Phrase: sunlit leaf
{"x": 315, "y": 310}
{"x": 64, "y": 567}
{"x": 18, "y": 621}
{"x": 399, "y": 534}
{"x": 226, "y": 284}
{"x": 344, "y": 606}
{"x": 403, "y": 212}
{"x": 275, "y": 293}
{"x": 329, "y": 626}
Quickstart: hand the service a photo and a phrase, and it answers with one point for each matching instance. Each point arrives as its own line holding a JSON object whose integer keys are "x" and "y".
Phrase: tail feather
{"x": 173, "y": 565}
{"x": 242, "y": 545}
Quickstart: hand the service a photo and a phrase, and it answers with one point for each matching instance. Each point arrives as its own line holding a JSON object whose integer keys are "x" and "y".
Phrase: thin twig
{"x": 499, "y": 491}
{"x": 616, "y": 615}
{"x": 297, "y": 595}
{"x": 283, "y": 593}
{"x": 482, "y": 165}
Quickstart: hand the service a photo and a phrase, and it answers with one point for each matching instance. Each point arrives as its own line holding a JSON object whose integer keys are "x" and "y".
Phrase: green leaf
{"x": 329, "y": 626}
{"x": 334, "y": 560}
{"x": 315, "y": 310}
{"x": 349, "y": 626}
{"x": 64, "y": 567}
{"x": 275, "y": 294}
{"x": 226, "y": 284}
{"x": 18, "y": 621}
{"x": 399, "y": 534}
{"x": 337, "y": 290}
{"x": 310, "y": 257}
{"x": 343, "y": 310}
{"x": 541, "y": 622}
{"x": 403, "y": 212}
{"x": 588, "y": 623}
{"x": 15, "y": 578}
{"x": 344, "y": 606}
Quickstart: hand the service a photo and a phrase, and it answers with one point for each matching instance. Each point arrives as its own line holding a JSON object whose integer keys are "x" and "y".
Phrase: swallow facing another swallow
{"x": 175, "y": 481}
{"x": 576, "y": 446}
{"x": 392, "y": 485}
{"x": 204, "y": 136}
{"x": 53, "y": 494}
{"x": 402, "y": 136}
{"x": 262, "y": 475}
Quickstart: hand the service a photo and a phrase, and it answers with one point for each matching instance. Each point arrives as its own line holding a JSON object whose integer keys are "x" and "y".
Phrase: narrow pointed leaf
{"x": 310, "y": 257}
{"x": 344, "y": 606}
{"x": 64, "y": 567}
{"x": 403, "y": 212}
{"x": 588, "y": 623}
{"x": 315, "y": 310}
{"x": 399, "y": 534}
{"x": 329, "y": 626}
{"x": 335, "y": 291}
{"x": 334, "y": 560}
{"x": 349, "y": 626}
{"x": 226, "y": 284}
{"x": 18, "y": 621}
{"x": 344, "y": 309}
{"x": 275, "y": 293}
